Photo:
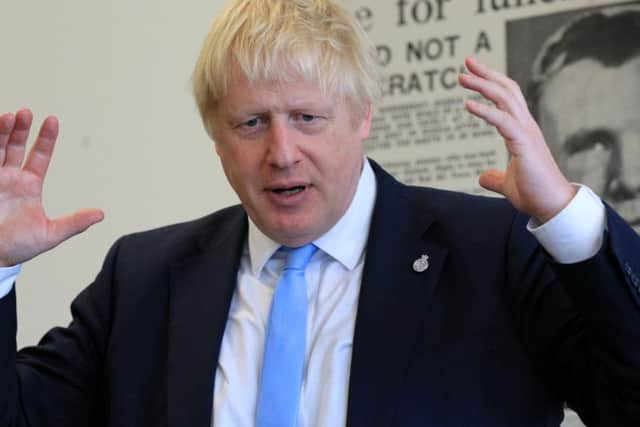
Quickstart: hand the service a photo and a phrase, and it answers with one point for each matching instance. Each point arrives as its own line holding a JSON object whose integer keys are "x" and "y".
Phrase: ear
{"x": 365, "y": 125}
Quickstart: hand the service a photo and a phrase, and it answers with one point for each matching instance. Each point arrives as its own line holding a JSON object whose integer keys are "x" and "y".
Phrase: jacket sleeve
{"x": 60, "y": 381}
{"x": 581, "y": 324}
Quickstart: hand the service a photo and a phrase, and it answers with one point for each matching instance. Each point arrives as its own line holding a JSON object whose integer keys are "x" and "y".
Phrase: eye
{"x": 596, "y": 141}
{"x": 308, "y": 119}
{"x": 251, "y": 123}
{"x": 308, "y": 122}
{"x": 304, "y": 118}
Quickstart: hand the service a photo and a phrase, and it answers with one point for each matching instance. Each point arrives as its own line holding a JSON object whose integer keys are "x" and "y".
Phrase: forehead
{"x": 587, "y": 95}
{"x": 273, "y": 95}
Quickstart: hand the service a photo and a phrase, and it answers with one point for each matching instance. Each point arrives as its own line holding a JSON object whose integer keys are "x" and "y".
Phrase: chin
{"x": 290, "y": 233}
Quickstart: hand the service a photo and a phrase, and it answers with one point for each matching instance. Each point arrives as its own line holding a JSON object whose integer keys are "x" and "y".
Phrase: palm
{"x": 532, "y": 182}
{"x": 518, "y": 187}
{"x": 25, "y": 229}
{"x": 21, "y": 212}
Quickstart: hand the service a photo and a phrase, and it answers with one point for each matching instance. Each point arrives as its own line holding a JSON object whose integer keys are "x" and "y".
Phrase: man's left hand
{"x": 532, "y": 182}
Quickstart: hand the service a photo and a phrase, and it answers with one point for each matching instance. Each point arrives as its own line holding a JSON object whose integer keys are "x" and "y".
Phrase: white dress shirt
{"x": 333, "y": 285}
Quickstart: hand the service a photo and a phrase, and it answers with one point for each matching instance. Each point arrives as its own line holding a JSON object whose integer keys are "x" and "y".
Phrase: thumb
{"x": 492, "y": 180}
{"x": 61, "y": 229}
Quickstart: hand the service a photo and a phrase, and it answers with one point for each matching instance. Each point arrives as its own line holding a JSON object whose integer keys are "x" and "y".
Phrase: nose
{"x": 624, "y": 172}
{"x": 282, "y": 148}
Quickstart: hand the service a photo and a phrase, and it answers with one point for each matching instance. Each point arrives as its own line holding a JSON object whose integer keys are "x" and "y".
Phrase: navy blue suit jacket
{"x": 493, "y": 333}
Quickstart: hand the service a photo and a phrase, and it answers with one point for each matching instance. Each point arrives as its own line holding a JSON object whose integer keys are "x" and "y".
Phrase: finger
{"x": 492, "y": 180}
{"x": 495, "y": 93}
{"x": 68, "y": 226}
{"x": 479, "y": 69}
{"x": 7, "y": 122}
{"x": 505, "y": 124}
{"x": 14, "y": 152}
{"x": 40, "y": 154}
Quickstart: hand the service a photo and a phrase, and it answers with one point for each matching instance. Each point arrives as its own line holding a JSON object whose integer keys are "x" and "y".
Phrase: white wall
{"x": 117, "y": 74}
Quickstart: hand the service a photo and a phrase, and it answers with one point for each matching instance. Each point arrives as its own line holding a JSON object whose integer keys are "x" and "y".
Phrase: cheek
{"x": 347, "y": 167}
{"x": 552, "y": 135}
{"x": 342, "y": 163}
{"x": 630, "y": 154}
{"x": 232, "y": 166}
{"x": 589, "y": 167}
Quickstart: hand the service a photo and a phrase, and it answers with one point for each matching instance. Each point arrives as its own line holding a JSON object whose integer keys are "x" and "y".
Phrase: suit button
{"x": 627, "y": 268}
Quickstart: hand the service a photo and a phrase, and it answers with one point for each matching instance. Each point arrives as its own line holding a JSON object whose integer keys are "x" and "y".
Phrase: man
{"x": 585, "y": 93}
{"x": 422, "y": 307}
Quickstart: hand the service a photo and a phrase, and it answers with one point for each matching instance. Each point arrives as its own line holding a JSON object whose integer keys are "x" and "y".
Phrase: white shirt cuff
{"x": 8, "y": 276}
{"x": 575, "y": 234}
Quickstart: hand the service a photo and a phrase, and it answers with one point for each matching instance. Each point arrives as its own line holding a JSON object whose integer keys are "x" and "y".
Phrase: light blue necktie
{"x": 284, "y": 345}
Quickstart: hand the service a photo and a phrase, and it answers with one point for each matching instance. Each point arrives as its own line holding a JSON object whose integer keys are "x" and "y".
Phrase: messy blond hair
{"x": 284, "y": 40}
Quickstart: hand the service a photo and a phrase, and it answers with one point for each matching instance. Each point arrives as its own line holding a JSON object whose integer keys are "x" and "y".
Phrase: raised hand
{"x": 532, "y": 182}
{"x": 25, "y": 229}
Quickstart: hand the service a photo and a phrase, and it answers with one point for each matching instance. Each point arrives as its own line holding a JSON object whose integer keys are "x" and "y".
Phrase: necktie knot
{"x": 299, "y": 257}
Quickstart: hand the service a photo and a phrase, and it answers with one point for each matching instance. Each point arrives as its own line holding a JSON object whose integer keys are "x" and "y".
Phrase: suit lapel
{"x": 200, "y": 295}
{"x": 392, "y": 308}
{"x": 393, "y": 303}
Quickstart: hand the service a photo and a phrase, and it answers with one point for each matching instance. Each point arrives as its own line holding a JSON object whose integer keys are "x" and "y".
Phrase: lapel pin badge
{"x": 421, "y": 264}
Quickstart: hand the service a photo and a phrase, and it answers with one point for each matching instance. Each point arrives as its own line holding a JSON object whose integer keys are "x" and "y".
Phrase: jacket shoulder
{"x": 461, "y": 206}
{"x": 182, "y": 239}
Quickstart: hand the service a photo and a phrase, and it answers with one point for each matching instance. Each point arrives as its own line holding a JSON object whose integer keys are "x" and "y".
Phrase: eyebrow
{"x": 309, "y": 104}
{"x": 296, "y": 106}
{"x": 581, "y": 140}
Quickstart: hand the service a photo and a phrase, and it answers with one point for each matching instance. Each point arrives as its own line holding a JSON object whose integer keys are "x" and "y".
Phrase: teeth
{"x": 290, "y": 191}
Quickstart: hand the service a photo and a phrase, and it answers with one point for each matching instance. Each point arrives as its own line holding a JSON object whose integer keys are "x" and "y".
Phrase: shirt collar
{"x": 345, "y": 241}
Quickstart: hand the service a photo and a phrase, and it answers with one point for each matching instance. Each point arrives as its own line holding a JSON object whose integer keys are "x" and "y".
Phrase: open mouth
{"x": 290, "y": 191}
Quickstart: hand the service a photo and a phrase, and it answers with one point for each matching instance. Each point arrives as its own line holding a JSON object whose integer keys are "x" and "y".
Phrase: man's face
{"x": 293, "y": 155}
{"x": 590, "y": 115}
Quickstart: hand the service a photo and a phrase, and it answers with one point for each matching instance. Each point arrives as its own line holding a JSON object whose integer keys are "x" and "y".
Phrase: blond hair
{"x": 284, "y": 40}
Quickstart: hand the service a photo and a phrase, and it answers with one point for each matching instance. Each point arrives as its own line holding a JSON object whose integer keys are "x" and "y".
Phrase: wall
{"x": 117, "y": 74}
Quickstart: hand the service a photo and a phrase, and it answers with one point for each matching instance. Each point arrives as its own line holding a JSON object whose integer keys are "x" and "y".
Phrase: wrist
{"x": 558, "y": 200}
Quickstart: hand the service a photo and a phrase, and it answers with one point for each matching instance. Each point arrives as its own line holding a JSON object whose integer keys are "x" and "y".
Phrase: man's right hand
{"x": 25, "y": 229}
